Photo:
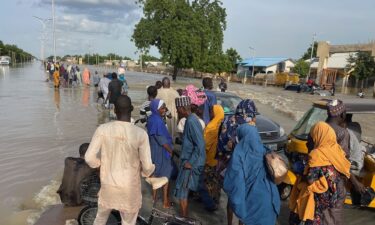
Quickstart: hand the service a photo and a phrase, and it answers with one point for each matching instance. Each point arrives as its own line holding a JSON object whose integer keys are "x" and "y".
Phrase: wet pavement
{"x": 40, "y": 127}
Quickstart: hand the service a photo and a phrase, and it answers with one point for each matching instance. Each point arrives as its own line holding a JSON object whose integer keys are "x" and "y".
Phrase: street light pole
{"x": 252, "y": 72}
{"x": 54, "y": 35}
{"x": 44, "y": 35}
{"x": 311, "y": 55}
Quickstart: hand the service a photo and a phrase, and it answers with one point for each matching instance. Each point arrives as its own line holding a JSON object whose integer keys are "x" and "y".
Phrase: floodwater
{"x": 40, "y": 126}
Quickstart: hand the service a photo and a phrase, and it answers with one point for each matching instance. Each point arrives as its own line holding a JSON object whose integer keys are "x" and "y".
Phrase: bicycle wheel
{"x": 141, "y": 221}
{"x": 88, "y": 214}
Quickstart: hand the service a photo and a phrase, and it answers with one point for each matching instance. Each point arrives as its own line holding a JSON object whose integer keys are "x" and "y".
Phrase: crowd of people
{"x": 218, "y": 152}
{"x": 69, "y": 76}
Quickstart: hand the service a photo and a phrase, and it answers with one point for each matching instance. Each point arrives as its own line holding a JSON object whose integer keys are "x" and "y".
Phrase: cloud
{"x": 110, "y": 11}
{"x": 112, "y": 18}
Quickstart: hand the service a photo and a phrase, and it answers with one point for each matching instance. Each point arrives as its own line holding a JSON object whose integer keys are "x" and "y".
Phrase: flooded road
{"x": 40, "y": 126}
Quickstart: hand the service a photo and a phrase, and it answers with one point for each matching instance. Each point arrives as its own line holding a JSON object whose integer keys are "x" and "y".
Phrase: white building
{"x": 264, "y": 65}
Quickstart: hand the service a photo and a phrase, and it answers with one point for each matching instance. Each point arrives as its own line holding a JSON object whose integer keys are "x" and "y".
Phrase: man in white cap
{"x": 193, "y": 154}
{"x": 122, "y": 151}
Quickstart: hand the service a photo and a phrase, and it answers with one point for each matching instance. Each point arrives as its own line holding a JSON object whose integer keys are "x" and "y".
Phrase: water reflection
{"x": 4, "y": 70}
{"x": 86, "y": 96}
{"x": 57, "y": 99}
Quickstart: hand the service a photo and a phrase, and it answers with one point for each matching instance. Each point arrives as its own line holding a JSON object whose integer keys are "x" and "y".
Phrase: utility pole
{"x": 140, "y": 59}
{"x": 311, "y": 55}
{"x": 53, "y": 27}
{"x": 44, "y": 35}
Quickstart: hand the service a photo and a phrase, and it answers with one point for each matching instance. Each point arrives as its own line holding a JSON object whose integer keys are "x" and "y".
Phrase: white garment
{"x": 103, "y": 86}
{"x": 168, "y": 95}
{"x": 181, "y": 125}
{"x": 122, "y": 151}
{"x": 126, "y": 218}
{"x": 120, "y": 71}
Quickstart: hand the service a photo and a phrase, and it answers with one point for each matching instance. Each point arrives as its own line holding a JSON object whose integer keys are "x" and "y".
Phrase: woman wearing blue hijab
{"x": 252, "y": 195}
{"x": 161, "y": 146}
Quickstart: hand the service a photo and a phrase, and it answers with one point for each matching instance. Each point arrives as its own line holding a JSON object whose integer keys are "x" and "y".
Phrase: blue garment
{"x": 158, "y": 136}
{"x": 164, "y": 165}
{"x": 245, "y": 111}
{"x": 208, "y": 104}
{"x": 252, "y": 195}
{"x": 192, "y": 151}
{"x": 155, "y": 123}
{"x": 207, "y": 200}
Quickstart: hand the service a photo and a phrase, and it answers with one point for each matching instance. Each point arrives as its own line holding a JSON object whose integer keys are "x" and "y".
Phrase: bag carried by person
{"x": 277, "y": 168}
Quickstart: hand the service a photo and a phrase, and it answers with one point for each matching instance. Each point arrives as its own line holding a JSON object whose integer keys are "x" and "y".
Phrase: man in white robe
{"x": 122, "y": 152}
{"x": 168, "y": 95}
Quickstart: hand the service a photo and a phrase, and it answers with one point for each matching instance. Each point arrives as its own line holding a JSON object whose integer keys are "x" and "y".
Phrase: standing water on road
{"x": 40, "y": 126}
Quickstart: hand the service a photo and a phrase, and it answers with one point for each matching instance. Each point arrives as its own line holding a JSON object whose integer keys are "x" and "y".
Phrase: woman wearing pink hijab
{"x": 86, "y": 77}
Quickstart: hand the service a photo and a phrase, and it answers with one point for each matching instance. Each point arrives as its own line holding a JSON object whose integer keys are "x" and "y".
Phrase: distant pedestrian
{"x": 223, "y": 85}
{"x": 96, "y": 79}
{"x": 333, "y": 89}
{"x": 361, "y": 93}
{"x": 56, "y": 78}
{"x": 86, "y": 77}
{"x": 121, "y": 77}
{"x": 103, "y": 86}
{"x": 79, "y": 76}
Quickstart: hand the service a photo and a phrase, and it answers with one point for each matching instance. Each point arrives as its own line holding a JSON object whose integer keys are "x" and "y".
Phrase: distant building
{"x": 154, "y": 63}
{"x": 71, "y": 60}
{"x": 330, "y": 65}
{"x": 264, "y": 65}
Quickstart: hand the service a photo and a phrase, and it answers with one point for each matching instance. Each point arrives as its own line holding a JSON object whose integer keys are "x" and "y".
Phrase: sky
{"x": 267, "y": 28}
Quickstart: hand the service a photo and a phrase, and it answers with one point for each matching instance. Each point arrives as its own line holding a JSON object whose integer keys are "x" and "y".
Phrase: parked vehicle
{"x": 297, "y": 151}
{"x": 5, "y": 60}
{"x": 272, "y": 134}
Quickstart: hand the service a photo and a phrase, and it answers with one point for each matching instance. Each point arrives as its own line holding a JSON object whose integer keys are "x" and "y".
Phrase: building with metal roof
{"x": 264, "y": 65}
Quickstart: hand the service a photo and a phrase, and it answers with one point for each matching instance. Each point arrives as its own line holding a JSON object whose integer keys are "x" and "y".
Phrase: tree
{"x": 301, "y": 67}
{"x": 233, "y": 57}
{"x": 147, "y": 58}
{"x": 307, "y": 54}
{"x": 16, "y": 54}
{"x": 187, "y": 34}
{"x": 361, "y": 65}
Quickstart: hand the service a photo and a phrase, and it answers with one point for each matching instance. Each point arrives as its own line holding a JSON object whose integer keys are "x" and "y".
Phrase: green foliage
{"x": 188, "y": 34}
{"x": 307, "y": 54}
{"x": 17, "y": 54}
{"x": 361, "y": 65}
{"x": 92, "y": 59}
{"x": 301, "y": 67}
{"x": 233, "y": 57}
{"x": 147, "y": 58}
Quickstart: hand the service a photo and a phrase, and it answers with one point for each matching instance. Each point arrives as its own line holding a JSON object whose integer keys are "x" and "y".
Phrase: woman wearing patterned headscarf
{"x": 245, "y": 113}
